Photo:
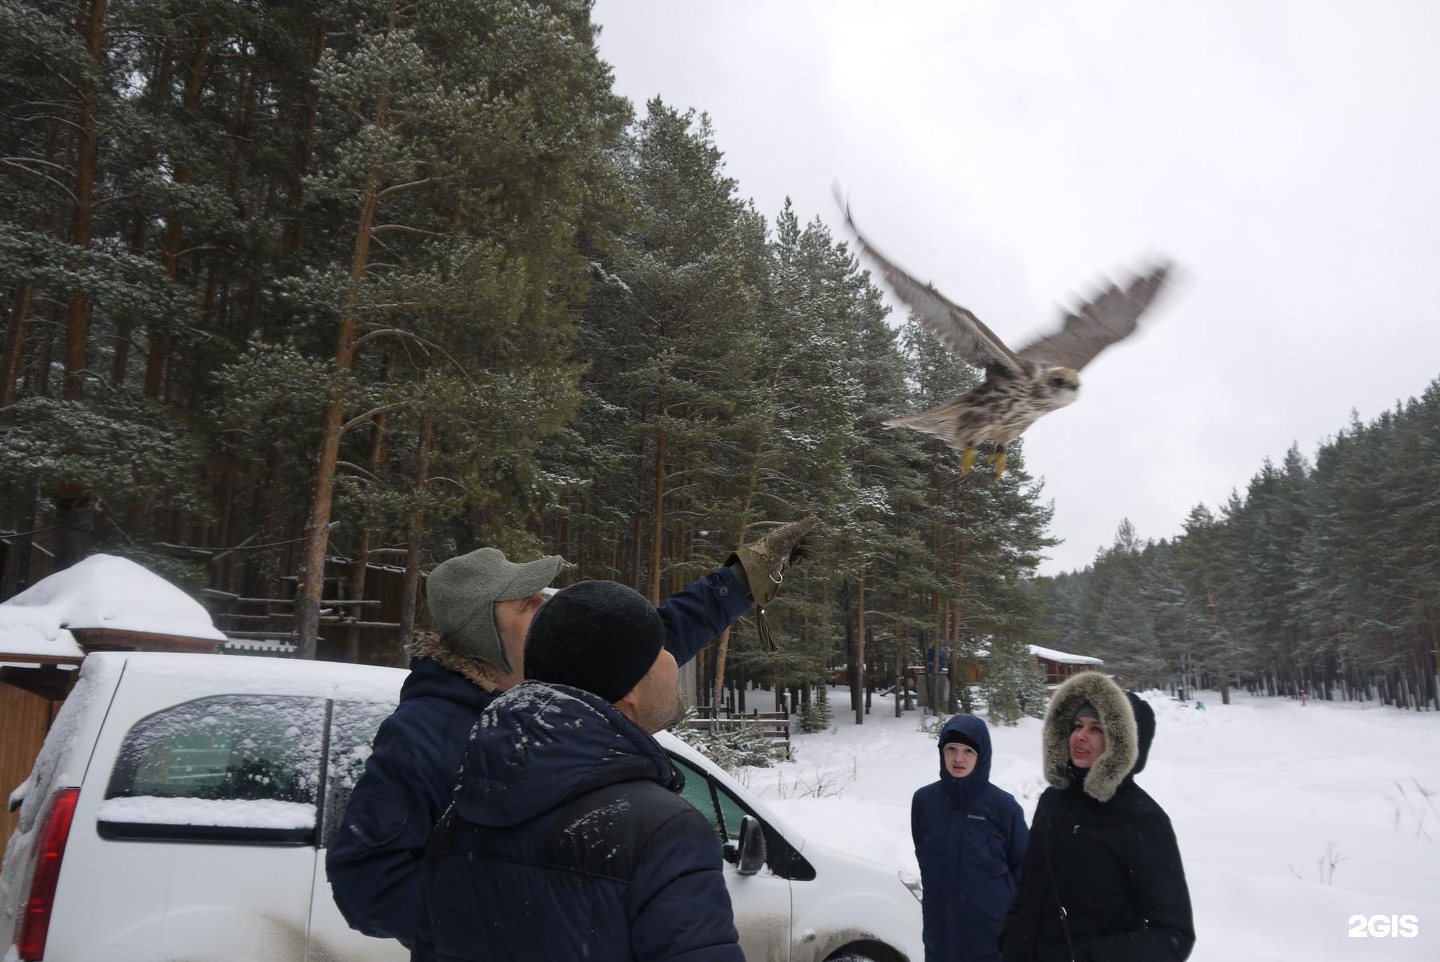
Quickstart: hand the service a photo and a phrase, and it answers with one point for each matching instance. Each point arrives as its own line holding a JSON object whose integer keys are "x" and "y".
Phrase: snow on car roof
{"x": 213, "y": 674}
{"x": 102, "y": 591}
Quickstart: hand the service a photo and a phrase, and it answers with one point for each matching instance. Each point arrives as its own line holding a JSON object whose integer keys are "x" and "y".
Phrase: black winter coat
{"x": 374, "y": 861}
{"x": 568, "y": 840}
{"x": 1103, "y": 880}
{"x": 970, "y": 840}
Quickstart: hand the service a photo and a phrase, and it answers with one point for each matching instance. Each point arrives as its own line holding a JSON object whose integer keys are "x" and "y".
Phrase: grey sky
{"x": 1285, "y": 154}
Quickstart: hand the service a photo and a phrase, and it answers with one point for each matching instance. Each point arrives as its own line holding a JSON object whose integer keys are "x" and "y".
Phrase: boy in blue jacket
{"x": 970, "y": 839}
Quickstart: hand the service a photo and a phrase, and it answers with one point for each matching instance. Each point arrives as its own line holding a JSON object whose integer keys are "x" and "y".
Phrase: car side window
{"x": 352, "y": 732}
{"x": 711, "y": 800}
{"x": 242, "y": 768}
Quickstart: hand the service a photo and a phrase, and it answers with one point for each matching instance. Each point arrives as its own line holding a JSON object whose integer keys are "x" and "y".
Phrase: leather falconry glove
{"x": 765, "y": 562}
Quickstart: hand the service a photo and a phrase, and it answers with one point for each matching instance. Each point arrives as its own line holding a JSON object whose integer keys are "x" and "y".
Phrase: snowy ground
{"x": 1292, "y": 820}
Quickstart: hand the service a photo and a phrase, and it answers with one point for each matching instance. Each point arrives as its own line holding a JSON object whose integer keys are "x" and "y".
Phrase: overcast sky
{"x": 1285, "y": 154}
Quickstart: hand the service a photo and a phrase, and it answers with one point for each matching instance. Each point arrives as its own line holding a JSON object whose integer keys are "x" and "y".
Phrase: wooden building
{"x": 1057, "y": 666}
{"x": 1060, "y": 665}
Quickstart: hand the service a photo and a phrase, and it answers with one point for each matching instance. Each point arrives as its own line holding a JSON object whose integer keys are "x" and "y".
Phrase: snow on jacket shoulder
{"x": 374, "y": 861}
{"x": 568, "y": 840}
{"x": 970, "y": 840}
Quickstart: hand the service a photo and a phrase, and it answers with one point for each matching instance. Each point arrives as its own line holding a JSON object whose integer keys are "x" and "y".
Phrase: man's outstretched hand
{"x": 765, "y": 561}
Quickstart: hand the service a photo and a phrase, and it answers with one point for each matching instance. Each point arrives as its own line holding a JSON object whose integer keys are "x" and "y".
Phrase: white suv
{"x": 182, "y": 803}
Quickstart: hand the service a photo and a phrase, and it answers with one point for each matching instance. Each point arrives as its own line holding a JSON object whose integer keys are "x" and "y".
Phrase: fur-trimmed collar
{"x": 1122, "y": 738}
{"x": 427, "y": 644}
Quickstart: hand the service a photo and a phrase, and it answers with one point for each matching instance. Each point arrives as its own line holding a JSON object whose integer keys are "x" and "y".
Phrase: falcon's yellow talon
{"x": 997, "y": 459}
{"x": 967, "y": 460}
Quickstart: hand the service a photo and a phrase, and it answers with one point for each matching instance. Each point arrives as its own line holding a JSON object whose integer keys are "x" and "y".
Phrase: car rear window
{"x": 224, "y": 768}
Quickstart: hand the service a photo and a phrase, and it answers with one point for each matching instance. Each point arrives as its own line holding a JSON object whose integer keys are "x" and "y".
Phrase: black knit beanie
{"x": 963, "y": 739}
{"x": 598, "y": 636}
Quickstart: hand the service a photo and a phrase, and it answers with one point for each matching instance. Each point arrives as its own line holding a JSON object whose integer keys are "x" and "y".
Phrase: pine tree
{"x": 817, "y": 715}
{"x": 1013, "y": 685}
{"x": 456, "y": 120}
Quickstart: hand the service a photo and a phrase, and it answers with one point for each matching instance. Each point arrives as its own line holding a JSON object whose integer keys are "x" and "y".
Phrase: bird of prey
{"x": 1019, "y": 386}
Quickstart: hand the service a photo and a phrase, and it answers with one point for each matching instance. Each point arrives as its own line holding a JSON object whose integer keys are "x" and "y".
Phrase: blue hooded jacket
{"x": 970, "y": 839}
{"x": 567, "y": 840}
{"x": 374, "y": 861}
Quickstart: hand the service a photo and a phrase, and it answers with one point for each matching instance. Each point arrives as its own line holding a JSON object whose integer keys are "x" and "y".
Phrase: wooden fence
{"x": 775, "y": 724}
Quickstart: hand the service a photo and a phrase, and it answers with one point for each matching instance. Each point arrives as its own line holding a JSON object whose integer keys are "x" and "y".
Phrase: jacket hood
{"x": 1129, "y": 724}
{"x": 978, "y": 732}
{"x": 540, "y": 745}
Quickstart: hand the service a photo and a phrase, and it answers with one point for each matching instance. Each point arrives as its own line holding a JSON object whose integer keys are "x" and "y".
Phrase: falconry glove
{"x": 766, "y": 561}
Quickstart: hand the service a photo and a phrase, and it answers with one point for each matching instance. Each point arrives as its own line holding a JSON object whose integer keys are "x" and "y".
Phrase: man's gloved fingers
{"x": 787, "y": 537}
{"x": 807, "y": 549}
{"x": 764, "y": 561}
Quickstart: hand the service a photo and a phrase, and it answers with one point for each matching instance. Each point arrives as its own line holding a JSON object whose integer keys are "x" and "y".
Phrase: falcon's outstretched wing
{"x": 962, "y": 332}
{"x": 1110, "y": 317}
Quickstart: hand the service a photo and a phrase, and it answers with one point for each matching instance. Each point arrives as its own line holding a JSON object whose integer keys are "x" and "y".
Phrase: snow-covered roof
{"x": 1064, "y": 657}
{"x": 102, "y": 591}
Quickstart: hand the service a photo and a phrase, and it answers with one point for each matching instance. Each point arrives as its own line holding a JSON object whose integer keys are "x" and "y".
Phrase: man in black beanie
{"x": 567, "y": 837}
{"x": 604, "y": 638}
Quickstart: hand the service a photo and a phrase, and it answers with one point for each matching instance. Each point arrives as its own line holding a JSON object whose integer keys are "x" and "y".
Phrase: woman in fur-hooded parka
{"x": 1103, "y": 878}
{"x": 970, "y": 841}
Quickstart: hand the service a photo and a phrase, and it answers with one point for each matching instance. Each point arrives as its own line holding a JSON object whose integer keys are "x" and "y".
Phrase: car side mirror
{"x": 752, "y": 846}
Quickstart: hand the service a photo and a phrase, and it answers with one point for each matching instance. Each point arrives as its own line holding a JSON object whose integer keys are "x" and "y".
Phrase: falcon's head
{"x": 1058, "y": 386}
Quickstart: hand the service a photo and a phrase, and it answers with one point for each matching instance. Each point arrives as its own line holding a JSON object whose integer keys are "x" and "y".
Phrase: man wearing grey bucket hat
{"x": 482, "y": 605}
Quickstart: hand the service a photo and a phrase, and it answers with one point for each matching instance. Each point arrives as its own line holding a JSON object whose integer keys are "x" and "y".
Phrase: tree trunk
{"x": 416, "y": 536}
{"x": 721, "y": 650}
{"x": 361, "y": 567}
{"x": 852, "y": 674}
{"x": 657, "y": 509}
{"x": 77, "y": 320}
{"x": 293, "y": 236}
{"x": 317, "y": 528}
{"x": 959, "y": 697}
{"x": 862, "y": 703}
{"x": 27, "y": 542}
{"x": 170, "y": 245}
{"x": 15, "y": 347}
{"x": 72, "y": 497}
{"x": 14, "y": 358}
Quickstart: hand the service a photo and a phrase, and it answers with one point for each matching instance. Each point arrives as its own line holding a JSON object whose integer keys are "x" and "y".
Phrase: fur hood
{"x": 1129, "y": 725}
{"x": 427, "y": 644}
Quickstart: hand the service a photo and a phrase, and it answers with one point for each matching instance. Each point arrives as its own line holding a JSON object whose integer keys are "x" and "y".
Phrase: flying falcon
{"x": 1019, "y": 386}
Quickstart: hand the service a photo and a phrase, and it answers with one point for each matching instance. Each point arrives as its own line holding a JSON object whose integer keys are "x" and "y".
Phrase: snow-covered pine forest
{"x": 295, "y": 293}
{"x": 1320, "y": 578}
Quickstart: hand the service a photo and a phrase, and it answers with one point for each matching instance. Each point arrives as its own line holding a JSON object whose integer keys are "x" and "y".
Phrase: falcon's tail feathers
{"x": 931, "y": 422}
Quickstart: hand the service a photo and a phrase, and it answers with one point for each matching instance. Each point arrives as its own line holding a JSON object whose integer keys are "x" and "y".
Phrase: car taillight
{"x": 33, "y": 925}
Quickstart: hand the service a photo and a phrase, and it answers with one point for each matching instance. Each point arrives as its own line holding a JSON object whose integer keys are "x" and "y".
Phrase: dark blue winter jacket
{"x": 567, "y": 840}
{"x": 970, "y": 840}
{"x": 374, "y": 860}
